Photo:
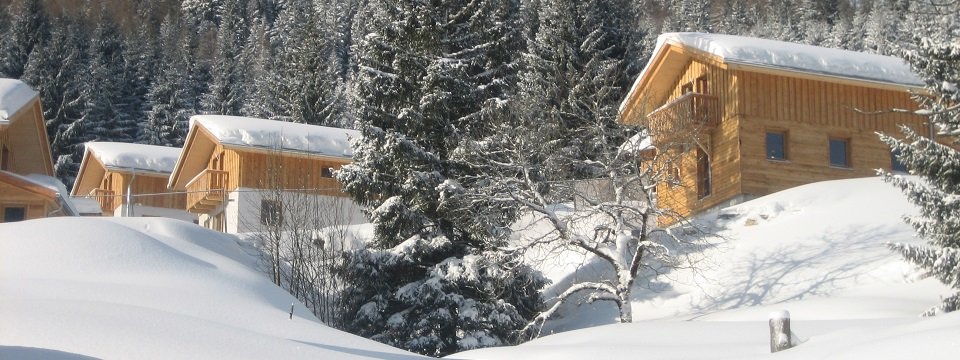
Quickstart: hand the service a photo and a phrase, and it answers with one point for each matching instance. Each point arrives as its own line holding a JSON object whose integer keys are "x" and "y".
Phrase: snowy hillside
{"x": 816, "y": 250}
{"x": 73, "y": 288}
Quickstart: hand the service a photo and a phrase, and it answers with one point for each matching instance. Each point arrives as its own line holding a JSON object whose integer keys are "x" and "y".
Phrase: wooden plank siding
{"x": 36, "y": 206}
{"x": 143, "y": 185}
{"x": 808, "y": 109}
{"x": 264, "y": 170}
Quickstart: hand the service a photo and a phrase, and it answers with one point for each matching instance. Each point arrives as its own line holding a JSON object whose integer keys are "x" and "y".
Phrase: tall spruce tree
{"x": 29, "y": 28}
{"x": 936, "y": 58}
{"x": 427, "y": 75}
{"x": 171, "y": 98}
{"x": 568, "y": 61}
{"x": 53, "y": 70}
{"x": 225, "y": 94}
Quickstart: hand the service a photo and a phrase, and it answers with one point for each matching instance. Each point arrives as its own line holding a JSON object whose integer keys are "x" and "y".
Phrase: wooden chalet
{"x": 25, "y": 161}
{"x": 130, "y": 180}
{"x": 734, "y": 118}
{"x": 228, "y": 162}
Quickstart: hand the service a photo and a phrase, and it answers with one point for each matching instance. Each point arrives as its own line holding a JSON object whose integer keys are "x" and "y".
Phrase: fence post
{"x": 780, "y": 331}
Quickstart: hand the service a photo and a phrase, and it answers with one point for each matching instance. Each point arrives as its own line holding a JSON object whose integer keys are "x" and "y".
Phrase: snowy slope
{"x": 150, "y": 288}
{"x": 815, "y": 250}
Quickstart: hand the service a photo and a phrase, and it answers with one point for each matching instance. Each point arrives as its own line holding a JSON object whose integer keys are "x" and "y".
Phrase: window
{"x": 271, "y": 212}
{"x": 776, "y": 145}
{"x": 840, "y": 152}
{"x": 326, "y": 172}
{"x": 12, "y": 214}
{"x": 686, "y": 88}
{"x": 895, "y": 163}
{"x": 703, "y": 174}
{"x": 702, "y": 85}
{"x": 4, "y": 158}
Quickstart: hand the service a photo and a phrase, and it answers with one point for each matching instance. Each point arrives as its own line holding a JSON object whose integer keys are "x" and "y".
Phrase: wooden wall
{"x": 37, "y": 206}
{"x": 143, "y": 184}
{"x": 270, "y": 170}
{"x": 28, "y": 146}
{"x": 810, "y": 112}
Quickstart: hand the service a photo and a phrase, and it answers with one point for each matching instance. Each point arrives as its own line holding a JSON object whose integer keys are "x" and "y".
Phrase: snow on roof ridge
{"x": 817, "y": 59}
{"x": 264, "y": 133}
{"x": 120, "y": 155}
{"x": 790, "y": 56}
{"x": 14, "y": 95}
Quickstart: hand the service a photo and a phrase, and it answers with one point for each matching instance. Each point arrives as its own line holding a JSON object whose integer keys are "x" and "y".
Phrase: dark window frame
{"x": 847, "y": 157}
{"x": 8, "y": 211}
{"x": 271, "y": 212}
{"x": 895, "y": 164}
{"x": 704, "y": 174}
{"x": 784, "y": 147}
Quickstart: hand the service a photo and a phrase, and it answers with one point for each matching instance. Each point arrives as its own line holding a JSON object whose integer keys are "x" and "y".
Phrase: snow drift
{"x": 153, "y": 289}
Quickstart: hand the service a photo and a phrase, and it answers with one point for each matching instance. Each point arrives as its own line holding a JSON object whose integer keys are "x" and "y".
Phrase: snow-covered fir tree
{"x": 30, "y": 27}
{"x": 171, "y": 96}
{"x": 225, "y": 94}
{"x": 565, "y": 62}
{"x": 428, "y": 72}
{"x": 936, "y": 58}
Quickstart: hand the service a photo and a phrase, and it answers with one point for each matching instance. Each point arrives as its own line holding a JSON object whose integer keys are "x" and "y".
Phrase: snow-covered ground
{"x": 150, "y": 288}
{"x": 816, "y": 250}
{"x": 78, "y": 288}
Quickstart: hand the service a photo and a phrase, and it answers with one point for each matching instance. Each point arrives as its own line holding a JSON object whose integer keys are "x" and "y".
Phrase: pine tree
{"x": 564, "y": 66}
{"x": 30, "y": 28}
{"x": 171, "y": 97}
{"x": 225, "y": 94}
{"x": 936, "y": 58}
{"x": 104, "y": 90}
{"x": 427, "y": 75}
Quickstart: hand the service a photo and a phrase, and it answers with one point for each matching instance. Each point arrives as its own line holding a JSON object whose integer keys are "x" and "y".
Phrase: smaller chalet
{"x": 130, "y": 180}
{"x": 27, "y": 188}
{"x": 245, "y": 174}
{"x": 733, "y": 118}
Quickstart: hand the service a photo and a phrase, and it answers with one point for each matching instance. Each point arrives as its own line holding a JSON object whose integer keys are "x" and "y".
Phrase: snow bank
{"x": 14, "y": 95}
{"x": 817, "y": 251}
{"x": 151, "y": 288}
{"x": 125, "y": 156}
{"x": 244, "y": 131}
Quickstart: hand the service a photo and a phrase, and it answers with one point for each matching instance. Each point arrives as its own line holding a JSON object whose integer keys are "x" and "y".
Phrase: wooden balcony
{"x": 206, "y": 191}
{"x": 690, "y": 111}
{"x": 106, "y": 198}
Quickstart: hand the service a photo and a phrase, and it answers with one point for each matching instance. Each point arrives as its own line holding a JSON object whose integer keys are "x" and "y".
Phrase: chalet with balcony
{"x": 734, "y": 118}
{"x": 27, "y": 188}
{"x": 245, "y": 174}
{"x": 130, "y": 180}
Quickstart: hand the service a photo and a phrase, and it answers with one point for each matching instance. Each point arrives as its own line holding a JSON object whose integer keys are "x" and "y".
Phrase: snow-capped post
{"x": 291, "y": 311}
{"x": 780, "y": 331}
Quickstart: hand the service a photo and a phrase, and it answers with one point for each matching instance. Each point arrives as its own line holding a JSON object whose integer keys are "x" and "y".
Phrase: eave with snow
{"x": 130, "y": 180}
{"x": 225, "y": 157}
{"x": 741, "y": 117}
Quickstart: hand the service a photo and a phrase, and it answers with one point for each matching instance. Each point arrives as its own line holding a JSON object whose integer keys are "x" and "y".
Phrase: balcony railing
{"x": 106, "y": 198}
{"x": 686, "y": 111}
{"x": 206, "y": 191}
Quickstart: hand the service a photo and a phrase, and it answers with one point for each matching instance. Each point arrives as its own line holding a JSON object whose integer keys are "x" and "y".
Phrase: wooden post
{"x": 291, "y": 311}
{"x": 780, "y": 331}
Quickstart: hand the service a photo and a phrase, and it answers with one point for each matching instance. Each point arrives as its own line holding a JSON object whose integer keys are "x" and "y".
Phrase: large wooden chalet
{"x": 230, "y": 164}
{"x": 734, "y": 118}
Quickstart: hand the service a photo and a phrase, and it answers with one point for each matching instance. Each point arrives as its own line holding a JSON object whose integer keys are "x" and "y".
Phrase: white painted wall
{"x": 150, "y": 211}
{"x": 242, "y": 210}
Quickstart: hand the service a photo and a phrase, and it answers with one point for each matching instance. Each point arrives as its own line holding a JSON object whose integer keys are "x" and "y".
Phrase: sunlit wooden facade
{"x": 25, "y": 150}
{"x": 225, "y": 182}
{"x": 739, "y": 131}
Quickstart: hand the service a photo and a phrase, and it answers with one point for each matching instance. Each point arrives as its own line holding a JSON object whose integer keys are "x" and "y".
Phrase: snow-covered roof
{"x": 790, "y": 57}
{"x": 637, "y": 143}
{"x": 125, "y": 156}
{"x": 253, "y": 132}
{"x": 14, "y": 95}
{"x": 808, "y": 58}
